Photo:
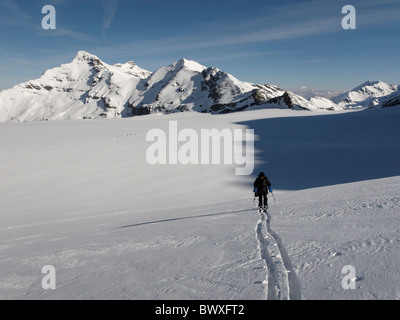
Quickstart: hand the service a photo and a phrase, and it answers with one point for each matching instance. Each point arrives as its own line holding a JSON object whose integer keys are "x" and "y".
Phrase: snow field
{"x": 80, "y": 195}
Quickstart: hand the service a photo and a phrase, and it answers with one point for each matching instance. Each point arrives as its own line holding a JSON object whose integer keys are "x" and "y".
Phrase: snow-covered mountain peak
{"x": 87, "y": 88}
{"x": 85, "y": 56}
{"x": 369, "y": 83}
{"x": 375, "y": 83}
{"x": 367, "y": 94}
{"x": 187, "y": 65}
{"x": 373, "y": 86}
{"x": 131, "y": 69}
{"x": 128, "y": 65}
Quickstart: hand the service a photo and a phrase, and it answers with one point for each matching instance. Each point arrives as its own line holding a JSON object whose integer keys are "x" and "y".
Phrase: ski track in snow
{"x": 281, "y": 282}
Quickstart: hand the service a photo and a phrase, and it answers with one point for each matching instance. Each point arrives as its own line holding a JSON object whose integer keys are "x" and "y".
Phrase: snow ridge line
{"x": 281, "y": 281}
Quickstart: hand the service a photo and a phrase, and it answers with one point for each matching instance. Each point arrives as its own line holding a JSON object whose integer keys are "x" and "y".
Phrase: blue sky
{"x": 286, "y": 43}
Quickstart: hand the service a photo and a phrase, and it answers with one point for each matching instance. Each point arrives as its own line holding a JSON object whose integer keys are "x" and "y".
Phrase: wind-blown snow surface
{"x": 80, "y": 195}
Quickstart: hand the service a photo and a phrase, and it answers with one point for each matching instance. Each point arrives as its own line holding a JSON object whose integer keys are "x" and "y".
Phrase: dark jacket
{"x": 262, "y": 184}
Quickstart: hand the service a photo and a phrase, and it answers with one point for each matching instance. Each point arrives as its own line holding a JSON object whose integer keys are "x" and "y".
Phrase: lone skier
{"x": 262, "y": 186}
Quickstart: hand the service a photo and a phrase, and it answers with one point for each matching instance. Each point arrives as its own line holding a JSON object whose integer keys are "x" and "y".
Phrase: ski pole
{"x": 273, "y": 197}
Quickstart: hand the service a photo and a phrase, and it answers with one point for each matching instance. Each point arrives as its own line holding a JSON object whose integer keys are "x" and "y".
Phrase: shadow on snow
{"x": 322, "y": 150}
{"x": 181, "y": 218}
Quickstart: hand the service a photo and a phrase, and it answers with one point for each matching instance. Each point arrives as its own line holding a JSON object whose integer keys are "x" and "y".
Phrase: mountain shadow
{"x": 305, "y": 152}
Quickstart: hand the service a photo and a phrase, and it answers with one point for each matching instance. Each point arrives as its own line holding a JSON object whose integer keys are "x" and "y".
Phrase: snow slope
{"x": 80, "y": 195}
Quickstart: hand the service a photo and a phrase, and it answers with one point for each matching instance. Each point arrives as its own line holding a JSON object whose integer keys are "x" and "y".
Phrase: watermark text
{"x": 209, "y": 147}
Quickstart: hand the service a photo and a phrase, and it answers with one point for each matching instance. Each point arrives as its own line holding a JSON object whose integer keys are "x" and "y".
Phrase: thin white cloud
{"x": 225, "y": 39}
{"x": 310, "y": 92}
{"x": 301, "y": 20}
{"x": 12, "y": 7}
{"x": 13, "y": 15}
{"x": 303, "y": 62}
{"x": 63, "y": 32}
{"x": 110, "y": 8}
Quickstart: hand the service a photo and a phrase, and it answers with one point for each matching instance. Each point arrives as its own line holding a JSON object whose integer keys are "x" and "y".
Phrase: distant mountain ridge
{"x": 367, "y": 95}
{"x": 88, "y": 88}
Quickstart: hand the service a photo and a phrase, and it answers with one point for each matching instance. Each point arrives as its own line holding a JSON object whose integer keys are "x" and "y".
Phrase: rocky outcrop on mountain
{"x": 391, "y": 100}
